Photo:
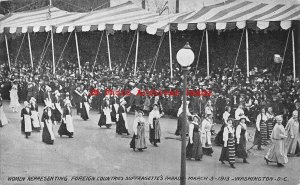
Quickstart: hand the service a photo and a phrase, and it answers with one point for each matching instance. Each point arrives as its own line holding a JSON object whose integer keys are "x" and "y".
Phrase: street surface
{"x": 101, "y": 153}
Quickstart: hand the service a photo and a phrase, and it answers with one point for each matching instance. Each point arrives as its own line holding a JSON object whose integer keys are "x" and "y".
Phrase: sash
{"x": 57, "y": 105}
{"x": 50, "y": 129}
{"x": 87, "y": 107}
{"x": 27, "y": 121}
{"x": 35, "y": 121}
{"x": 69, "y": 123}
{"x": 125, "y": 119}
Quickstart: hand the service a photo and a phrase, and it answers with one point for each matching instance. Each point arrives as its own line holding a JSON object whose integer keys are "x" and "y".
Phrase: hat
{"x": 243, "y": 117}
{"x": 26, "y": 103}
{"x": 140, "y": 110}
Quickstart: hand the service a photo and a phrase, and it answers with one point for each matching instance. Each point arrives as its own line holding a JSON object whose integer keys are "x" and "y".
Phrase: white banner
{"x": 69, "y": 123}
{"x": 27, "y": 121}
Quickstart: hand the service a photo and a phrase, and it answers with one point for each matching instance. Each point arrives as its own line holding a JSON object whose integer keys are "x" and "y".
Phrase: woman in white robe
{"x": 14, "y": 98}
{"x": 293, "y": 135}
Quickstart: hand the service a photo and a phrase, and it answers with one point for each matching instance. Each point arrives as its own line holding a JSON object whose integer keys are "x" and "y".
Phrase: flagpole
{"x": 53, "y": 55}
{"x": 207, "y": 53}
{"x": 78, "y": 55}
{"x": 170, "y": 46}
{"x": 108, "y": 48}
{"x": 30, "y": 51}
{"x": 136, "y": 51}
{"x": 7, "y": 51}
{"x": 294, "y": 56}
{"x": 247, "y": 53}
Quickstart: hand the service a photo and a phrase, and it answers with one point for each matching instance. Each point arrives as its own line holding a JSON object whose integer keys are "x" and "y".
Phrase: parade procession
{"x": 196, "y": 95}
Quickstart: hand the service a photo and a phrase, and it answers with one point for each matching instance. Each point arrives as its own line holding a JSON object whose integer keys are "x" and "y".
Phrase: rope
{"x": 238, "y": 53}
{"x": 130, "y": 50}
{"x": 23, "y": 7}
{"x": 100, "y": 6}
{"x": 97, "y": 51}
{"x": 156, "y": 56}
{"x": 287, "y": 40}
{"x": 44, "y": 48}
{"x": 45, "y": 52}
{"x": 19, "y": 49}
{"x": 63, "y": 50}
{"x": 74, "y": 5}
{"x": 199, "y": 52}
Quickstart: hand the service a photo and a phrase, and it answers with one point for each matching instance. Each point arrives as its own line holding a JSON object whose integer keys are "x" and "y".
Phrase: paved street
{"x": 100, "y": 152}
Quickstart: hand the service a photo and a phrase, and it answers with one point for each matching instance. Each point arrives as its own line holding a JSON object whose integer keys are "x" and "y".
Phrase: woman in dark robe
{"x": 228, "y": 149}
{"x": 194, "y": 146}
{"x": 26, "y": 122}
{"x": 85, "y": 106}
{"x": 48, "y": 135}
{"x": 241, "y": 140}
{"x": 66, "y": 127}
{"x": 261, "y": 137}
{"x": 154, "y": 125}
{"x": 105, "y": 117}
{"x": 270, "y": 122}
{"x": 219, "y": 138}
{"x": 114, "y": 109}
{"x": 139, "y": 138}
{"x": 121, "y": 117}
{"x": 57, "y": 112}
{"x": 180, "y": 120}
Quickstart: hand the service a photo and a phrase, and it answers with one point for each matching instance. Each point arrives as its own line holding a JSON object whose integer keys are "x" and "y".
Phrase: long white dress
{"x": 3, "y": 118}
{"x": 14, "y": 99}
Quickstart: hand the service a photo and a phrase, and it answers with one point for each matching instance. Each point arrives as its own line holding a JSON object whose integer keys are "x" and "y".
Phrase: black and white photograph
{"x": 149, "y": 92}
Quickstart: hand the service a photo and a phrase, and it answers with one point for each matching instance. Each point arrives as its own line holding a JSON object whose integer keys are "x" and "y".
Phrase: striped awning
{"x": 128, "y": 16}
{"x": 233, "y": 14}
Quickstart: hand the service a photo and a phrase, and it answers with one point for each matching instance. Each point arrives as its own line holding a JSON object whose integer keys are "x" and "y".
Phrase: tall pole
{"x": 170, "y": 46}
{"x": 136, "y": 51}
{"x": 144, "y": 4}
{"x": 53, "y": 56}
{"x": 207, "y": 53}
{"x": 108, "y": 48}
{"x": 7, "y": 51}
{"x": 183, "y": 131}
{"x": 30, "y": 52}
{"x": 294, "y": 56}
{"x": 247, "y": 52}
{"x": 177, "y": 6}
{"x": 78, "y": 55}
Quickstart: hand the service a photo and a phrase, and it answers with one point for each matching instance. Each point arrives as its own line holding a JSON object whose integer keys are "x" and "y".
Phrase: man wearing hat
{"x": 121, "y": 118}
{"x": 34, "y": 114}
{"x": 26, "y": 126}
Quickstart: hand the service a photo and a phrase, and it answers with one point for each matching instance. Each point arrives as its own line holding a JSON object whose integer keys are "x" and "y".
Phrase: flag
{"x": 135, "y": 91}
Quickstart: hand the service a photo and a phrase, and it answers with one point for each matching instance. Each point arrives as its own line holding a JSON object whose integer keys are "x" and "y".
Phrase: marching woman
{"x": 219, "y": 138}
{"x": 194, "y": 146}
{"x": 293, "y": 136}
{"x": 14, "y": 98}
{"x": 105, "y": 117}
{"x": 277, "y": 153}
{"x": 48, "y": 134}
{"x": 241, "y": 139}
{"x": 270, "y": 122}
{"x": 67, "y": 127}
{"x": 228, "y": 149}
{"x": 3, "y": 118}
{"x": 115, "y": 106}
{"x": 121, "y": 116}
{"x": 154, "y": 125}
{"x": 34, "y": 114}
{"x": 139, "y": 138}
{"x": 261, "y": 137}
{"x": 26, "y": 126}
{"x": 57, "y": 112}
{"x": 85, "y": 106}
{"x": 206, "y": 134}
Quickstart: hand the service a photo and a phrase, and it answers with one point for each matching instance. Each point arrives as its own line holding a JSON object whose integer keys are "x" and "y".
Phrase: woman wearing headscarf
{"x": 26, "y": 124}
{"x": 48, "y": 134}
{"x": 3, "y": 118}
{"x": 293, "y": 135}
{"x": 139, "y": 138}
{"x": 67, "y": 127}
{"x": 277, "y": 153}
{"x": 194, "y": 146}
{"x": 206, "y": 134}
{"x": 85, "y": 106}
{"x": 261, "y": 137}
{"x": 219, "y": 137}
{"x": 270, "y": 122}
{"x": 154, "y": 125}
{"x": 228, "y": 149}
{"x": 241, "y": 140}
{"x": 121, "y": 116}
{"x": 34, "y": 114}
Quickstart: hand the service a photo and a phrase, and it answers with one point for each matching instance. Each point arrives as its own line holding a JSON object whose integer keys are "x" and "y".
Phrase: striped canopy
{"x": 128, "y": 16}
{"x": 232, "y": 14}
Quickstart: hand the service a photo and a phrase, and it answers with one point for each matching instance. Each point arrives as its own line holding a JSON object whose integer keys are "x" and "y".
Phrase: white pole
{"x": 30, "y": 52}
{"x": 108, "y": 48}
{"x": 7, "y": 51}
{"x": 170, "y": 46}
{"x": 136, "y": 51}
{"x": 78, "y": 55}
{"x": 207, "y": 53}
{"x": 247, "y": 53}
{"x": 53, "y": 56}
{"x": 294, "y": 56}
